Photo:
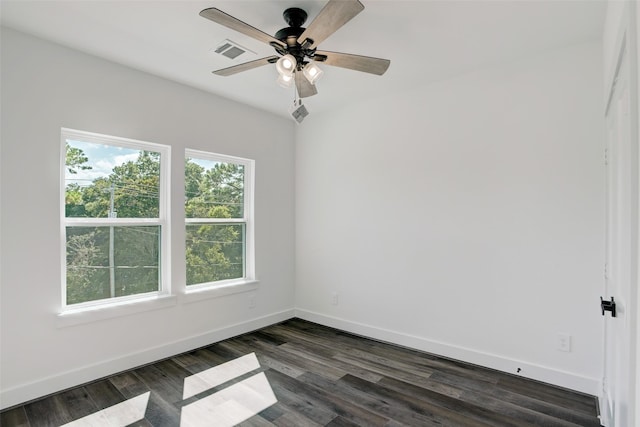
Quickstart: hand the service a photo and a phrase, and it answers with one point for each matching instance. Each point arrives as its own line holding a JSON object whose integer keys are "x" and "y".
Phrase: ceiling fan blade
{"x": 334, "y": 15}
{"x": 366, "y": 64}
{"x": 218, "y": 16}
{"x": 246, "y": 66}
{"x": 305, "y": 89}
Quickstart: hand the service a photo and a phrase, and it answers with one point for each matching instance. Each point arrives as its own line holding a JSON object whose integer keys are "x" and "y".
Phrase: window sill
{"x": 216, "y": 291}
{"x": 109, "y": 311}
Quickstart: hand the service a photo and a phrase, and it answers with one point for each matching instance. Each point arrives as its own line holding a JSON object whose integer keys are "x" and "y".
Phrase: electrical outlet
{"x": 564, "y": 342}
{"x": 334, "y": 298}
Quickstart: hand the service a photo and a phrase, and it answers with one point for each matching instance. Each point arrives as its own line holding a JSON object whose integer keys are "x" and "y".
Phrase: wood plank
{"x": 324, "y": 355}
{"x": 303, "y": 364}
{"x": 141, "y": 423}
{"x": 272, "y": 412}
{"x": 559, "y": 396}
{"x": 406, "y": 408}
{"x": 528, "y": 402}
{"x": 159, "y": 411}
{"x": 15, "y": 417}
{"x": 327, "y": 401}
{"x": 555, "y": 395}
{"x": 104, "y": 394}
{"x": 475, "y": 412}
{"x": 265, "y": 360}
{"x": 310, "y": 353}
{"x": 164, "y": 379}
{"x": 292, "y": 395}
{"x": 47, "y": 412}
{"x": 293, "y": 419}
{"x": 326, "y": 377}
{"x": 192, "y": 363}
{"x": 256, "y": 421}
{"x": 345, "y": 341}
{"x": 78, "y": 403}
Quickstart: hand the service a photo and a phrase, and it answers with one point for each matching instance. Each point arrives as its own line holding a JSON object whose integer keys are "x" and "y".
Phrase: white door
{"x": 617, "y": 363}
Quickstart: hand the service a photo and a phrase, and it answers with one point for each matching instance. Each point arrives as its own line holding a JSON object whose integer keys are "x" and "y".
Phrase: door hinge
{"x": 606, "y": 156}
{"x": 606, "y": 271}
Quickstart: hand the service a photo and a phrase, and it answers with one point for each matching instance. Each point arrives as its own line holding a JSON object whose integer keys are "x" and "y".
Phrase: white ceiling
{"x": 425, "y": 40}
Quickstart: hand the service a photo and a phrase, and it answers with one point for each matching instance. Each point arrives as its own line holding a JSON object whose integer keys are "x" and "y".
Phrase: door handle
{"x": 608, "y": 306}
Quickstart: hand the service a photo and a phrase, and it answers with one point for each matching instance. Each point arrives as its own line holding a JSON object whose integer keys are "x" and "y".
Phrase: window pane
{"x": 107, "y": 181}
{"x": 214, "y": 252}
{"x": 213, "y": 189}
{"x": 108, "y": 262}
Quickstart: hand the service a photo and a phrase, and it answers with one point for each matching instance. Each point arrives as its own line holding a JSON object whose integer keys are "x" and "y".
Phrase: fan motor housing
{"x": 295, "y": 17}
{"x": 289, "y": 35}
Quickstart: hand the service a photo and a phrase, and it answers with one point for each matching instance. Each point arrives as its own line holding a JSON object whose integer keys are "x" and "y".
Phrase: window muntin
{"x": 218, "y": 216}
{"x": 114, "y": 219}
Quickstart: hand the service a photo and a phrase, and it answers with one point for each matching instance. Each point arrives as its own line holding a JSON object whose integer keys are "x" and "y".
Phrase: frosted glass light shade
{"x": 312, "y": 72}
{"x": 286, "y": 65}
{"x": 285, "y": 80}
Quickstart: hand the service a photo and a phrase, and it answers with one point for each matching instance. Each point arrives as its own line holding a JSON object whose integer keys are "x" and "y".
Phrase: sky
{"x": 103, "y": 158}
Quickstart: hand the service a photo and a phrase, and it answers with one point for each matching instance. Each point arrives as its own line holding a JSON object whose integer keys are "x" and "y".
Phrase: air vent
{"x": 231, "y": 49}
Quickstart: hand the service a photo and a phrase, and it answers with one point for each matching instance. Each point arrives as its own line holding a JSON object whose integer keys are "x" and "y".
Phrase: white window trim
{"x": 219, "y": 289}
{"x": 122, "y": 307}
{"x": 249, "y": 282}
{"x": 113, "y": 307}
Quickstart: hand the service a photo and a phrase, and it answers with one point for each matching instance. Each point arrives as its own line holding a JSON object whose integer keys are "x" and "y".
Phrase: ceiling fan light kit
{"x": 285, "y": 81}
{"x": 312, "y": 72}
{"x": 286, "y": 65}
{"x": 296, "y": 46}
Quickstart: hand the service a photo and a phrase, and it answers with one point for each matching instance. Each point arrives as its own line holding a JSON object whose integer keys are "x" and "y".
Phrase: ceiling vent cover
{"x": 231, "y": 49}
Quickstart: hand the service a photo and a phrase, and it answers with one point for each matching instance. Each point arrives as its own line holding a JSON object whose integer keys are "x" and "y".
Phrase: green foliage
{"x": 216, "y": 193}
{"x": 137, "y": 186}
{"x": 75, "y": 159}
{"x": 82, "y": 280}
{"x": 137, "y": 257}
{"x": 214, "y": 251}
{"x": 135, "y": 266}
{"x": 134, "y": 188}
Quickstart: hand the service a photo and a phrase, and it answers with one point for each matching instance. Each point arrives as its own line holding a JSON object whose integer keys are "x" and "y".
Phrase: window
{"x": 219, "y": 219}
{"x": 115, "y": 229}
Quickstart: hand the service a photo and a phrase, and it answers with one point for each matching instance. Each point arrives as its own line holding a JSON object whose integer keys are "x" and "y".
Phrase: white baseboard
{"x": 541, "y": 373}
{"x": 53, "y": 384}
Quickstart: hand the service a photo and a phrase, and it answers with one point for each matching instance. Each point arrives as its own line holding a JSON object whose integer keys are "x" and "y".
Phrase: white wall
{"x": 46, "y": 87}
{"x": 464, "y": 217}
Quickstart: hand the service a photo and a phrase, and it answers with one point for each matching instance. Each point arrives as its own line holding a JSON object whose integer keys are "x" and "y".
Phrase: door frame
{"x": 627, "y": 38}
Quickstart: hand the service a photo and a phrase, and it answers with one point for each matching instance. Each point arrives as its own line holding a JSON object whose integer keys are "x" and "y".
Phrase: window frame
{"x": 163, "y": 220}
{"x": 248, "y": 281}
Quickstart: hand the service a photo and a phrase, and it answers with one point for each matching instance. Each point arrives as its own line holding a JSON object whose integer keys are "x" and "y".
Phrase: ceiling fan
{"x": 296, "y": 46}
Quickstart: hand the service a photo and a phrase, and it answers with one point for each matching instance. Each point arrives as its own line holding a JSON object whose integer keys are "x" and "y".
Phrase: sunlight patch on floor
{"x": 232, "y": 405}
{"x": 205, "y": 380}
{"x": 228, "y": 407}
{"x": 121, "y": 414}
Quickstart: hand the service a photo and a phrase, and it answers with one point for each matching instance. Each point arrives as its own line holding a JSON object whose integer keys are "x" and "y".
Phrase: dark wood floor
{"x": 322, "y": 376}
